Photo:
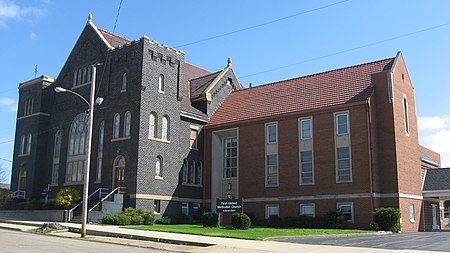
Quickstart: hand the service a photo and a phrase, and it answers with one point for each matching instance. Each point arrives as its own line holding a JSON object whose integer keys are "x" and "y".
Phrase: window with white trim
{"x": 101, "y": 136}
{"x": 405, "y": 113}
{"x": 271, "y": 133}
{"x": 165, "y": 128}
{"x": 271, "y": 170}
{"x": 157, "y": 206}
{"x": 191, "y": 176}
{"x": 124, "y": 82}
{"x": 152, "y": 125}
{"x": 76, "y": 158}
{"x": 161, "y": 83}
{"x": 127, "y": 124}
{"x": 308, "y": 210}
{"x": 272, "y": 210}
{"x": 230, "y": 157}
{"x": 56, "y": 155}
{"x": 412, "y": 216}
{"x": 307, "y": 169}
{"x": 347, "y": 210}
{"x": 305, "y": 129}
{"x": 185, "y": 208}
{"x": 193, "y": 138}
{"x": 198, "y": 173}
{"x": 159, "y": 166}
{"x": 116, "y": 126}
{"x": 28, "y": 108}
{"x": 344, "y": 172}
{"x": 28, "y": 147}
{"x": 342, "y": 123}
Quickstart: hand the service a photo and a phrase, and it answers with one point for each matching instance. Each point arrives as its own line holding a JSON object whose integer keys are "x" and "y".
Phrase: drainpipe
{"x": 369, "y": 146}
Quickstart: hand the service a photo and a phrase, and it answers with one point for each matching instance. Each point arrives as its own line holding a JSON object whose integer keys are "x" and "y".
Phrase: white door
{"x": 435, "y": 215}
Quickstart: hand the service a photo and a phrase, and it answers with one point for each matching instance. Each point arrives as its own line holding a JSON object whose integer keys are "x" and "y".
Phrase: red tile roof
{"x": 336, "y": 87}
{"x": 113, "y": 39}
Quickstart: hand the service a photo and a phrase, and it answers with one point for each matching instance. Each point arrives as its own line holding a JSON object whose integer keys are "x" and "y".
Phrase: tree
{"x": 3, "y": 174}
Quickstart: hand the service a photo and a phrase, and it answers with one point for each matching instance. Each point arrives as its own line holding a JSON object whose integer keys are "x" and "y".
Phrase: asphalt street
{"x": 432, "y": 241}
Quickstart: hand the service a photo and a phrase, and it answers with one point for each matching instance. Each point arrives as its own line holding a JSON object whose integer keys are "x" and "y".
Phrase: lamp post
{"x": 90, "y": 103}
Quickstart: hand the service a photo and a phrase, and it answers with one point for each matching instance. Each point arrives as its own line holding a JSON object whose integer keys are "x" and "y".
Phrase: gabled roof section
{"x": 336, "y": 87}
{"x": 112, "y": 40}
{"x": 199, "y": 85}
{"x": 192, "y": 72}
{"x": 437, "y": 180}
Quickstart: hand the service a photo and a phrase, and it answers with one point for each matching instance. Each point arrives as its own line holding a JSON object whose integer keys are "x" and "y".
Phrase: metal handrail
{"x": 99, "y": 190}
{"x": 18, "y": 195}
{"x": 120, "y": 190}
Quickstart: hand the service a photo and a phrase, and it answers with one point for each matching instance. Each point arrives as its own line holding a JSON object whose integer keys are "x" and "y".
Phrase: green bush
{"x": 180, "y": 219}
{"x": 302, "y": 221}
{"x": 387, "y": 219}
{"x": 335, "y": 219}
{"x": 274, "y": 221}
{"x": 240, "y": 221}
{"x": 130, "y": 216}
{"x": 164, "y": 221}
{"x": 210, "y": 219}
{"x": 4, "y": 198}
{"x": 67, "y": 198}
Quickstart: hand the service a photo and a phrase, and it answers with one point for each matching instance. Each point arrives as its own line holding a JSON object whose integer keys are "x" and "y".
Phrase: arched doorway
{"x": 119, "y": 172}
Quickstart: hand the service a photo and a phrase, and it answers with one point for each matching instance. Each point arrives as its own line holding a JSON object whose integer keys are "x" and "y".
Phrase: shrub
{"x": 67, "y": 198}
{"x": 274, "y": 221}
{"x": 386, "y": 219}
{"x": 301, "y": 221}
{"x": 335, "y": 219}
{"x": 180, "y": 219}
{"x": 130, "y": 216}
{"x": 240, "y": 221}
{"x": 117, "y": 219}
{"x": 4, "y": 197}
{"x": 210, "y": 219}
{"x": 164, "y": 221}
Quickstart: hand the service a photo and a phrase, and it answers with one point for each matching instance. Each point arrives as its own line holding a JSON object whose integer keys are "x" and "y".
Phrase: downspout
{"x": 369, "y": 147}
{"x": 179, "y": 96}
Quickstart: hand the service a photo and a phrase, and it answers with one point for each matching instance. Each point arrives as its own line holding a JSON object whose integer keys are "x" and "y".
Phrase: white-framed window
{"x": 101, "y": 136}
{"x": 185, "y": 208}
{"x": 307, "y": 167}
{"x": 271, "y": 133}
{"x": 198, "y": 173}
{"x": 271, "y": 170}
{"x": 308, "y": 210}
{"x": 185, "y": 171}
{"x": 159, "y": 166}
{"x": 344, "y": 169}
{"x": 230, "y": 157}
{"x": 405, "y": 113}
{"x": 272, "y": 210}
{"x": 157, "y": 206}
{"x": 305, "y": 129}
{"x": 76, "y": 158}
{"x": 82, "y": 76}
{"x": 116, "y": 126}
{"x": 28, "y": 108}
{"x": 342, "y": 123}
{"x": 193, "y": 138}
{"x": 347, "y": 210}
{"x": 127, "y": 124}
{"x": 152, "y": 125}
{"x": 161, "y": 83}
{"x": 165, "y": 128}
{"x": 22, "y": 145}
{"x": 28, "y": 147}
{"x": 124, "y": 82}
{"x": 56, "y": 155}
{"x": 412, "y": 215}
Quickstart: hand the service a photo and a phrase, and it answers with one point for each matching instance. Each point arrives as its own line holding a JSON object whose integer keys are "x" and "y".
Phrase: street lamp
{"x": 99, "y": 100}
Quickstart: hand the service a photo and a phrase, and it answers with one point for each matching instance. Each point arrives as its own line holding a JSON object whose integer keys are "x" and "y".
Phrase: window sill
{"x": 306, "y": 184}
{"x": 344, "y": 182}
{"x": 122, "y": 91}
{"x": 23, "y": 155}
{"x": 159, "y": 140}
{"x": 195, "y": 149}
{"x": 193, "y": 185}
{"x": 97, "y": 182}
{"x": 121, "y": 139}
{"x": 412, "y": 221}
{"x": 73, "y": 183}
{"x": 159, "y": 178}
{"x": 272, "y": 186}
{"x": 81, "y": 85}
{"x": 53, "y": 185}
{"x": 161, "y": 92}
{"x": 342, "y": 134}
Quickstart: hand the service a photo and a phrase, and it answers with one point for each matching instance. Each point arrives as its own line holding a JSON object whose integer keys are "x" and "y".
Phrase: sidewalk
{"x": 202, "y": 243}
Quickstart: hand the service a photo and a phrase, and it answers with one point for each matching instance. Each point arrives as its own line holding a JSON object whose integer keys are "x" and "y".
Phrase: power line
{"x": 6, "y": 160}
{"x": 262, "y": 24}
{"x": 349, "y": 50}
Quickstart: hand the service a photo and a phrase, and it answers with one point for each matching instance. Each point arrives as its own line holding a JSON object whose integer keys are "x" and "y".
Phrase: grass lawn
{"x": 256, "y": 233}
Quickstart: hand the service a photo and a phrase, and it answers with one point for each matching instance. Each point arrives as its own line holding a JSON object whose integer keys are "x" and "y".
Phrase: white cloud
{"x": 434, "y": 133}
{"x": 32, "y": 35}
{"x": 10, "y": 10}
{"x": 8, "y": 104}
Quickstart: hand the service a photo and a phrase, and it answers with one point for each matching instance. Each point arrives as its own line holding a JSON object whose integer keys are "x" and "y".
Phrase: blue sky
{"x": 288, "y": 39}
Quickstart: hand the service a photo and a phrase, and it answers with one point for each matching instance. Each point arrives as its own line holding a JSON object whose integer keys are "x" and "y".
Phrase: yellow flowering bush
{"x": 67, "y": 198}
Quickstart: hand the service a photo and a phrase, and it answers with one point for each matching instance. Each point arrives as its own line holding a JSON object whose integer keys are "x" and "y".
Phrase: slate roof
{"x": 191, "y": 72}
{"x": 437, "y": 179}
{"x": 199, "y": 85}
{"x": 336, "y": 87}
{"x": 113, "y": 39}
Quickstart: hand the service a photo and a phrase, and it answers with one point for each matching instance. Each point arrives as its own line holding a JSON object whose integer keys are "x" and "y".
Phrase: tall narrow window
{"x": 343, "y": 165}
{"x": 28, "y": 148}
{"x": 101, "y": 135}
{"x": 152, "y": 126}
{"x": 161, "y": 83}
{"x": 405, "y": 110}
{"x": 271, "y": 132}
{"x": 185, "y": 208}
{"x": 193, "y": 138}
{"x": 75, "y": 77}
{"x": 157, "y": 206}
{"x": 124, "y": 82}
{"x": 159, "y": 166}
{"x": 127, "y": 124}
{"x": 306, "y": 175}
{"x": 79, "y": 81}
{"x": 165, "y": 128}
{"x": 28, "y": 107}
{"x": 22, "y": 145}
{"x": 230, "y": 157}
{"x": 271, "y": 170}
{"x": 89, "y": 73}
{"x": 198, "y": 173}
{"x": 342, "y": 123}
{"x": 76, "y": 157}
{"x": 116, "y": 126}
{"x": 191, "y": 176}
{"x": 185, "y": 171}
{"x": 83, "y": 78}
{"x": 119, "y": 171}
{"x": 412, "y": 216}
{"x": 56, "y": 154}
{"x": 305, "y": 129}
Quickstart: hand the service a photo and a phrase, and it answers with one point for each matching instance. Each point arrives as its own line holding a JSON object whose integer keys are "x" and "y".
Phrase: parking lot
{"x": 433, "y": 241}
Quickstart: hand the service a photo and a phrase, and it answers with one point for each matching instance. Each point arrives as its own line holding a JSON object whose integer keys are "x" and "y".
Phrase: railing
{"x": 18, "y": 195}
{"x": 99, "y": 191}
{"x": 119, "y": 190}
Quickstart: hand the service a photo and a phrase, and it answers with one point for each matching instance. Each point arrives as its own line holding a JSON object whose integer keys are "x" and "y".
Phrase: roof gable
{"x": 437, "y": 179}
{"x": 336, "y": 87}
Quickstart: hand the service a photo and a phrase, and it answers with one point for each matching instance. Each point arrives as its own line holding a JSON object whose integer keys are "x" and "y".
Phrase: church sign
{"x": 229, "y": 205}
